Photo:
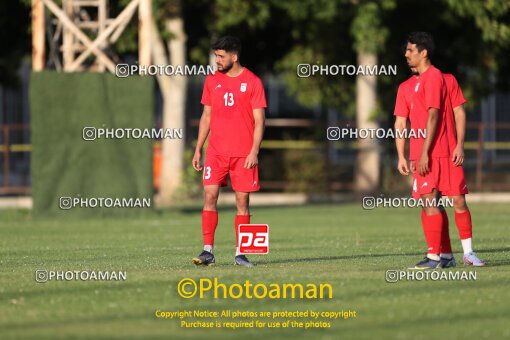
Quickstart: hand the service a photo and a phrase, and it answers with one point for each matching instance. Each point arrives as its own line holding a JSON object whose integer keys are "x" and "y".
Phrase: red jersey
{"x": 456, "y": 98}
{"x": 415, "y": 97}
{"x": 232, "y": 101}
{"x": 404, "y": 95}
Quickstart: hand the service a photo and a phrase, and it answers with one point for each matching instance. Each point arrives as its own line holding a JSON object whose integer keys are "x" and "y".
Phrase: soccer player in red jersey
{"x": 455, "y": 127}
{"x": 233, "y": 118}
{"x": 428, "y": 99}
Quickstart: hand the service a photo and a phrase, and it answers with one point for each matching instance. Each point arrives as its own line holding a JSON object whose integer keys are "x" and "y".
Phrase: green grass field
{"x": 338, "y": 244}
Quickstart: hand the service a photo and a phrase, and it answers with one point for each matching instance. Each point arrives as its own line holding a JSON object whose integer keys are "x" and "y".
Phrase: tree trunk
{"x": 38, "y": 32}
{"x": 367, "y": 163}
{"x": 173, "y": 89}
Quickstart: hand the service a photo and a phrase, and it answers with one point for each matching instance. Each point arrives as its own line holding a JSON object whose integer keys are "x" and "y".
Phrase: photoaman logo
{"x": 253, "y": 238}
{"x": 188, "y": 288}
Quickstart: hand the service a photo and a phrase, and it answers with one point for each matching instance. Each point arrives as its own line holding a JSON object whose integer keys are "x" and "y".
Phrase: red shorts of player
{"x": 437, "y": 178}
{"x": 216, "y": 169}
{"x": 457, "y": 181}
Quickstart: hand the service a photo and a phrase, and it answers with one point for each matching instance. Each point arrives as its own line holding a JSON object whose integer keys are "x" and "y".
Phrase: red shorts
{"x": 216, "y": 169}
{"x": 437, "y": 178}
{"x": 458, "y": 184}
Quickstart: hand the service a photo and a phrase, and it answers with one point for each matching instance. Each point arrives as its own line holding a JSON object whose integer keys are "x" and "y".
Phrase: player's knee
{"x": 242, "y": 197}
{"x": 243, "y": 210}
{"x": 210, "y": 200}
{"x": 431, "y": 210}
{"x": 242, "y": 203}
{"x": 459, "y": 203}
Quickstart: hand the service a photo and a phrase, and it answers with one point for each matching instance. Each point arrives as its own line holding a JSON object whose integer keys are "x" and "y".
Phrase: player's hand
{"x": 251, "y": 161}
{"x": 423, "y": 164}
{"x": 412, "y": 166}
{"x": 196, "y": 161}
{"x": 402, "y": 166}
{"x": 458, "y": 156}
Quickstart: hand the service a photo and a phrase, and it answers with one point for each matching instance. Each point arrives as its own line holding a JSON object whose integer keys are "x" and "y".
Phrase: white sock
{"x": 446, "y": 255}
{"x": 434, "y": 257}
{"x": 208, "y": 248}
{"x": 466, "y": 245}
{"x": 237, "y": 251}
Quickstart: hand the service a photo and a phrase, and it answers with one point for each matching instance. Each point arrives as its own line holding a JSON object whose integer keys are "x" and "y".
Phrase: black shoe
{"x": 447, "y": 263}
{"x": 426, "y": 263}
{"x": 241, "y": 260}
{"x": 205, "y": 258}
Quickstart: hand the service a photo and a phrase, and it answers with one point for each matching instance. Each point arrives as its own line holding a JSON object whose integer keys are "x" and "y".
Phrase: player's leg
{"x": 244, "y": 181}
{"x": 214, "y": 175}
{"x": 446, "y": 255}
{"x": 210, "y": 215}
{"x": 432, "y": 223}
{"x": 242, "y": 217}
{"x": 465, "y": 227}
{"x": 457, "y": 192}
{"x": 426, "y": 188}
{"x": 209, "y": 224}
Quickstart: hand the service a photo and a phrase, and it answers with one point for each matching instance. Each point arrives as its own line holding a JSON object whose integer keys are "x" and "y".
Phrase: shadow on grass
{"x": 494, "y": 250}
{"x": 362, "y": 256}
{"x": 334, "y": 258}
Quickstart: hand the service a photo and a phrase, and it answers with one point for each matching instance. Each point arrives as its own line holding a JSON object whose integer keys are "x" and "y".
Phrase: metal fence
{"x": 486, "y": 165}
{"x": 290, "y": 128}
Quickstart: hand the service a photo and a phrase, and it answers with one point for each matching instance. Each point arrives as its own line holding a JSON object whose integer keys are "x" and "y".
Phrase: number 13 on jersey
{"x": 207, "y": 172}
{"x": 229, "y": 99}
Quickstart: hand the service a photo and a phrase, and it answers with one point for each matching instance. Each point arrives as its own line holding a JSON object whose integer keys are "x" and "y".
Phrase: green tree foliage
{"x": 15, "y": 42}
{"x": 472, "y": 38}
{"x": 322, "y": 32}
{"x": 367, "y": 27}
{"x": 491, "y": 43}
{"x": 491, "y": 17}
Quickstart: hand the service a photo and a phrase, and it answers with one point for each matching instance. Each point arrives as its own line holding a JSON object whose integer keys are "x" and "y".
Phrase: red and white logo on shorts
{"x": 253, "y": 239}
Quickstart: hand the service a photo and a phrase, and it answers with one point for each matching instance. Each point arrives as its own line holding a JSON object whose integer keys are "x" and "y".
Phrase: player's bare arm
{"x": 460, "y": 127}
{"x": 400, "y": 126}
{"x": 203, "y": 132}
{"x": 258, "y": 132}
{"x": 432, "y": 120}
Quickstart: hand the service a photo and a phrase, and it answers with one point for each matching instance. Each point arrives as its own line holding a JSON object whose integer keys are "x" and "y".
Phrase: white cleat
{"x": 472, "y": 260}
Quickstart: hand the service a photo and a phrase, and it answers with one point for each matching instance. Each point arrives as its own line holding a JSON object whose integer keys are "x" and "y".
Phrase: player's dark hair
{"x": 423, "y": 41}
{"x": 228, "y": 43}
